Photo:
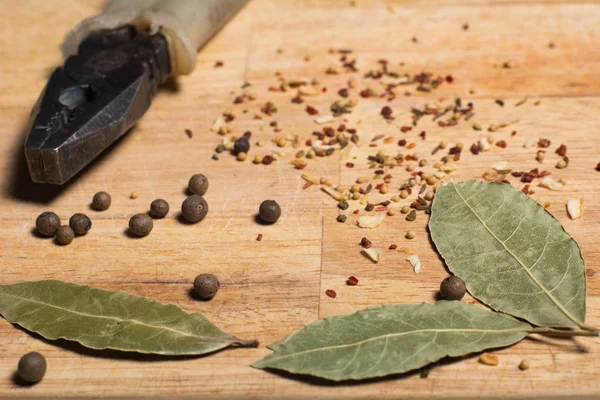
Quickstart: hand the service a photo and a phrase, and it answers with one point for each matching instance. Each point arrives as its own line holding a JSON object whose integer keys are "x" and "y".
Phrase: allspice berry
{"x": 47, "y": 223}
{"x": 198, "y": 184}
{"x": 64, "y": 235}
{"x": 141, "y": 224}
{"x": 242, "y": 145}
{"x": 80, "y": 223}
{"x": 206, "y": 286}
{"x": 101, "y": 201}
{"x": 453, "y": 288}
{"x": 159, "y": 208}
{"x": 32, "y": 367}
{"x": 269, "y": 211}
{"x": 194, "y": 208}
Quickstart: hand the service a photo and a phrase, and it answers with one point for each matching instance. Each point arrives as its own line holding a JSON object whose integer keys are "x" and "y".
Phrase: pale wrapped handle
{"x": 186, "y": 24}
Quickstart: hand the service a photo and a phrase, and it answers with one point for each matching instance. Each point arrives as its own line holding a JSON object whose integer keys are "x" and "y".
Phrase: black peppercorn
{"x": 198, "y": 184}
{"x": 206, "y": 286}
{"x": 80, "y": 223}
{"x": 64, "y": 235}
{"x": 141, "y": 224}
{"x": 242, "y": 145}
{"x": 194, "y": 208}
{"x": 269, "y": 211}
{"x": 47, "y": 223}
{"x": 32, "y": 367}
{"x": 101, "y": 201}
{"x": 159, "y": 208}
{"x": 452, "y": 288}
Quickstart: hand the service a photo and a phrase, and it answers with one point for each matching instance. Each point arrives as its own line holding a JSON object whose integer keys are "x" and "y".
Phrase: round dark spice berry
{"x": 141, "y": 224}
{"x": 194, "y": 208}
{"x": 452, "y": 288}
{"x": 80, "y": 223}
{"x": 47, "y": 223}
{"x": 206, "y": 286}
{"x": 242, "y": 145}
{"x": 159, "y": 208}
{"x": 269, "y": 211}
{"x": 64, "y": 235}
{"x": 101, "y": 201}
{"x": 198, "y": 184}
{"x": 32, "y": 367}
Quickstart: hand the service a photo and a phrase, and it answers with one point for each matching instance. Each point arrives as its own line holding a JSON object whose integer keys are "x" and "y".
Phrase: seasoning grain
{"x": 47, "y": 223}
{"x": 141, "y": 224}
{"x": 32, "y": 367}
{"x": 80, "y": 223}
{"x": 194, "y": 208}
{"x": 452, "y": 288}
{"x": 269, "y": 211}
{"x": 101, "y": 201}
{"x": 206, "y": 286}
{"x": 64, "y": 235}
{"x": 159, "y": 208}
{"x": 198, "y": 184}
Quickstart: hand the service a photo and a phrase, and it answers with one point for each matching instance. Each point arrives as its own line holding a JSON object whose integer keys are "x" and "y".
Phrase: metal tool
{"x": 114, "y": 64}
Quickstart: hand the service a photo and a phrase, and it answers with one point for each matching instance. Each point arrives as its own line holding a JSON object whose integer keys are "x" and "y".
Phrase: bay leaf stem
{"x": 563, "y": 333}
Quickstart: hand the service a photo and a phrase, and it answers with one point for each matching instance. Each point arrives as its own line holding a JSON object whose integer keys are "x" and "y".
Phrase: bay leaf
{"x": 512, "y": 254}
{"x": 391, "y": 339}
{"x": 101, "y": 319}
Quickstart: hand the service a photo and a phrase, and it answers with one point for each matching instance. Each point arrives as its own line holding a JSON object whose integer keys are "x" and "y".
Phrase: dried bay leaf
{"x": 511, "y": 252}
{"x": 101, "y": 319}
{"x": 391, "y": 339}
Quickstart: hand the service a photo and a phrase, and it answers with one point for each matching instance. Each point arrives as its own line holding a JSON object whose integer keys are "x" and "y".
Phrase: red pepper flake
{"x": 454, "y": 150}
{"x": 379, "y": 172}
{"x": 501, "y": 143}
{"x": 598, "y": 167}
{"x": 517, "y": 174}
{"x": 372, "y": 144}
{"x": 343, "y": 92}
{"x": 537, "y": 103}
{"x": 562, "y": 150}
{"x": 267, "y": 160}
{"x": 402, "y": 142}
{"x": 379, "y": 186}
{"x": 297, "y": 100}
{"x": 311, "y": 110}
{"x": 219, "y": 64}
{"x": 387, "y": 177}
{"x": 324, "y": 90}
{"x": 308, "y": 142}
{"x": 256, "y": 116}
{"x": 534, "y": 172}
{"x": 352, "y": 281}
{"x": 408, "y": 157}
{"x": 228, "y": 116}
{"x": 386, "y": 112}
{"x": 365, "y": 93}
{"x": 300, "y": 166}
{"x": 406, "y": 128}
{"x": 543, "y": 143}
{"x": 259, "y": 237}
{"x": 513, "y": 133}
{"x": 393, "y": 246}
{"x": 356, "y": 211}
{"x": 238, "y": 100}
{"x": 544, "y": 174}
{"x": 350, "y": 165}
{"x": 527, "y": 178}
{"x": 341, "y": 128}
{"x": 423, "y": 135}
{"x": 449, "y": 78}
{"x": 189, "y": 133}
{"x": 381, "y": 208}
{"x": 307, "y": 185}
{"x": 269, "y": 108}
{"x": 331, "y": 293}
{"x": 329, "y": 131}
{"x": 525, "y": 189}
{"x": 331, "y": 71}
{"x": 352, "y": 131}
{"x": 366, "y": 243}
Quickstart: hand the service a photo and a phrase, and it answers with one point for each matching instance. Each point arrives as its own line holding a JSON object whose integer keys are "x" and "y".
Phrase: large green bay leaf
{"x": 511, "y": 252}
{"x": 101, "y": 319}
{"x": 391, "y": 339}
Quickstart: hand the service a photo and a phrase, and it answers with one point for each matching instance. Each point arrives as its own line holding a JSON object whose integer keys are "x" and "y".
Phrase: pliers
{"x": 114, "y": 64}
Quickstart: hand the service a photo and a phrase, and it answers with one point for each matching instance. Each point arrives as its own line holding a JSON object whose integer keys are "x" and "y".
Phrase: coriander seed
{"x": 242, "y": 145}
{"x": 410, "y": 235}
{"x": 80, "y": 223}
{"x": 101, "y": 201}
{"x": 270, "y": 211}
{"x": 429, "y": 195}
{"x": 159, "y": 208}
{"x": 403, "y": 194}
{"x": 206, "y": 286}
{"x": 405, "y": 209}
{"x": 47, "y": 223}
{"x": 64, "y": 235}
{"x": 194, "y": 208}
{"x": 524, "y": 365}
{"x": 453, "y": 288}
{"x": 241, "y": 156}
{"x": 198, "y": 184}
{"x": 141, "y": 224}
{"x": 32, "y": 367}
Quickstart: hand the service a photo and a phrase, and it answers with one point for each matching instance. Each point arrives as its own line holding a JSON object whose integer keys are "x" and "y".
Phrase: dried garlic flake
{"x": 371, "y": 221}
{"x": 324, "y": 119}
{"x": 373, "y": 254}
{"x": 551, "y": 184}
{"x": 415, "y": 262}
{"x": 575, "y": 208}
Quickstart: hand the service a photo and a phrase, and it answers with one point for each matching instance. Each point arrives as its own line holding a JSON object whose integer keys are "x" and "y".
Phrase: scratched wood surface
{"x": 276, "y": 286}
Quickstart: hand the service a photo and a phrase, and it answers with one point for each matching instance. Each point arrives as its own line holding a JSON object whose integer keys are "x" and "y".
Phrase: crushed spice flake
{"x": 219, "y": 64}
{"x": 373, "y": 254}
{"x": 352, "y": 281}
{"x": 331, "y": 293}
{"x": 543, "y": 143}
{"x": 259, "y": 237}
{"x": 311, "y": 110}
{"x": 189, "y": 133}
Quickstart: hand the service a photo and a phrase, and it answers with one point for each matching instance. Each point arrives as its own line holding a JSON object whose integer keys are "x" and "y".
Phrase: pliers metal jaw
{"x": 95, "y": 98}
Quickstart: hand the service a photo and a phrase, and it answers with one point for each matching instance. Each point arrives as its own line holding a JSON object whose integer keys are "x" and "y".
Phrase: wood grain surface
{"x": 273, "y": 287}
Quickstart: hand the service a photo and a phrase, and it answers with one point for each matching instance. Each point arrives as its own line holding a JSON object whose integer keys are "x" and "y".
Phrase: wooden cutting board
{"x": 273, "y": 287}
